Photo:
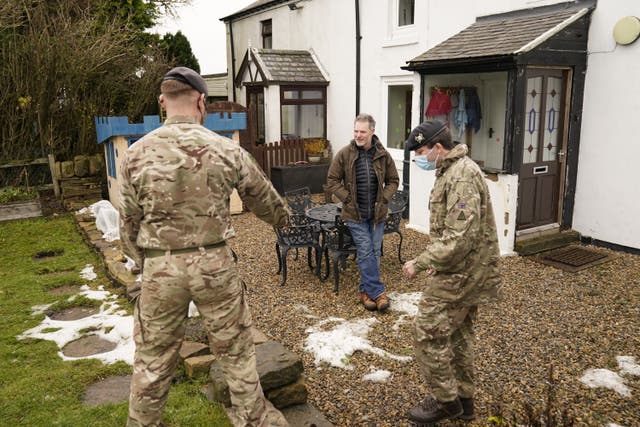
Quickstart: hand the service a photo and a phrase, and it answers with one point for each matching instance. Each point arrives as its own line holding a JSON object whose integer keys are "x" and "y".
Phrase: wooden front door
{"x": 543, "y": 148}
{"x": 255, "y": 113}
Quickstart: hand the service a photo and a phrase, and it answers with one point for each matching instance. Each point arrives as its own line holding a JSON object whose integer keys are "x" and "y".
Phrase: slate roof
{"x": 290, "y": 66}
{"x": 501, "y": 35}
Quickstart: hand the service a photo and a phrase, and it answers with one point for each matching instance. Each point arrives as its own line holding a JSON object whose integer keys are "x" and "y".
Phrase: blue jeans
{"x": 368, "y": 239}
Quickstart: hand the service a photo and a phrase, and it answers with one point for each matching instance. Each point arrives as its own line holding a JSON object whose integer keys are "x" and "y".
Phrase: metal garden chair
{"x": 301, "y": 232}
{"x": 338, "y": 242}
{"x": 397, "y": 205}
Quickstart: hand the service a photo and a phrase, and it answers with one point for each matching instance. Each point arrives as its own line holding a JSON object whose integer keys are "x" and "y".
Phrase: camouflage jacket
{"x": 463, "y": 242}
{"x": 175, "y": 189}
{"x": 341, "y": 180}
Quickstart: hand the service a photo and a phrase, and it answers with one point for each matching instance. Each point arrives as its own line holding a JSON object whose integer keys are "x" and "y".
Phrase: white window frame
{"x": 400, "y": 35}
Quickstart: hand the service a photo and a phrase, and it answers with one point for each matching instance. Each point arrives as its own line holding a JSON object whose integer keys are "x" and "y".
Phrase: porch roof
{"x": 284, "y": 66}
{"x": 503, "y": 35}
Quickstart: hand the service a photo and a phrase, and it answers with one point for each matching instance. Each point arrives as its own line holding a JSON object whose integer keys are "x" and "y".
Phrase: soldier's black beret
{"x": 188, "y": 76}
{"x": 424, "y": 133}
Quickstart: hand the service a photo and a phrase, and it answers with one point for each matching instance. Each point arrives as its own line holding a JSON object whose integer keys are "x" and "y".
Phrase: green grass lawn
{"x": 38, "y": 388}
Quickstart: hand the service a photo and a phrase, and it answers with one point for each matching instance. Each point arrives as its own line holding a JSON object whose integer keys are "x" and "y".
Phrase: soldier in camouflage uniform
{"x": 174, "y": 221}
{"x": 461, "y": 264}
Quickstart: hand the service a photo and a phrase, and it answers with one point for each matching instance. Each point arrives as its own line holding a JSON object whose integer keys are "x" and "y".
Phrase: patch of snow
{"x": 404, "y": 303}
{"x": 628, "y": 365}
{"x": 100, "y": 294}
{"x": 130, "y": 264}
{"x": 336, "y": 345}
{"x": 88, "y": 273}
{"x": 39, "y": 309}
{"x": 605, "y": 378}
{"x": 193, "y": 310}
{"x": 378, "y": 376}
{"x": 109, "y": 318}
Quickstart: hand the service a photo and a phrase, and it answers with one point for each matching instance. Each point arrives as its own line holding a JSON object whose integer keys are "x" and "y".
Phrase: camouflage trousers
{"x": 209, "y": 278}
{"x": 444, "y": 347}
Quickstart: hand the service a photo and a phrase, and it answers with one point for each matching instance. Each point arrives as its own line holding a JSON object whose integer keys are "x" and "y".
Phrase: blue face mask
{"x": 423, "y": 163}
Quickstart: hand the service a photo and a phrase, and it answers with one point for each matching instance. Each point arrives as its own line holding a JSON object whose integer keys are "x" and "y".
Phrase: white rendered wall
{"x": 503, "y": 191}
{"x": 607, "y": 200}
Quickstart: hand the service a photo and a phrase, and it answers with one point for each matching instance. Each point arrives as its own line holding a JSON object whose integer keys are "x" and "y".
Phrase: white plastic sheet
{"x": 107, "y": 220}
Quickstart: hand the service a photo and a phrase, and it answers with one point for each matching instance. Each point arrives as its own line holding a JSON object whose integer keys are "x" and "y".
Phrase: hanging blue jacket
{"x": 460, "y": 118}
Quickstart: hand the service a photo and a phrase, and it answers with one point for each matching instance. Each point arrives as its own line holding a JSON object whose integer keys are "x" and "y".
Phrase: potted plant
{"x": 316, "y": 149}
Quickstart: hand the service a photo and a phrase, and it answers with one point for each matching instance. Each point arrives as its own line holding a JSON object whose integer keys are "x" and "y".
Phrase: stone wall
{"x": 82, "y": 180}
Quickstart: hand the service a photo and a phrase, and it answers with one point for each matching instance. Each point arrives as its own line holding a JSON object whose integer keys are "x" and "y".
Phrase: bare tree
{"x": 62, "y": 63}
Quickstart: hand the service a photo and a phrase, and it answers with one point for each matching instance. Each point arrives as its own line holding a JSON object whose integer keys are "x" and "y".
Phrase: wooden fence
{"x": 279, "y": 153}
{"x": 24, "y": 164}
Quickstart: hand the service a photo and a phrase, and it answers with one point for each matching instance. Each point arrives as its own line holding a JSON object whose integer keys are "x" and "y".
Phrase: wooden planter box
{"x": 19, "y": 210}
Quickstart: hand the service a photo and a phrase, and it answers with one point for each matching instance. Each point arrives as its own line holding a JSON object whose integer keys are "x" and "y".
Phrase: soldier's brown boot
{"x": 431, "y": 410}
{"x": 467, "y": 408}
{"x": 382, "y": 302}
{"x": 368, "y": 303}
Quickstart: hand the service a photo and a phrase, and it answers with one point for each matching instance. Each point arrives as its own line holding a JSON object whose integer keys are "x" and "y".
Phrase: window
{"x": 111, "y": 159}
{"x": 406, "y": 10}
{"x": 267, "y": 34}
{"x": 398, "y": 115}
{"x": 478, "y": 113}
{"x": 401, "y": 23}
{"x": 303, "y": 112}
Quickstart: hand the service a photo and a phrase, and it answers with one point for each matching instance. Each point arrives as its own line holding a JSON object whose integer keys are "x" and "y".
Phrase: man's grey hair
{"x": 366, "y": 118}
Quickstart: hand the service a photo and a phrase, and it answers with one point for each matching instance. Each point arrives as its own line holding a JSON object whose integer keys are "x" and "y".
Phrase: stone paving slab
{"x": 305, "y": 415}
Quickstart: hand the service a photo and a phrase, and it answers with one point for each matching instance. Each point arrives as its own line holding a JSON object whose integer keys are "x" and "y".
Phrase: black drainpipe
{"x": 358, "y": 38}
{"x": 233, "y": 60}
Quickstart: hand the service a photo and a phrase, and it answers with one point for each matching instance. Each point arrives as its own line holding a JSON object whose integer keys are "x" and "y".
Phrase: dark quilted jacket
{"x": 341, "y": 180}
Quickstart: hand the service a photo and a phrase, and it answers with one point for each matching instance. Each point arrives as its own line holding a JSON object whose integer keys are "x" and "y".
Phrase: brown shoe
{"x": 368, "y": 303}
{"x": 382, "y": 302}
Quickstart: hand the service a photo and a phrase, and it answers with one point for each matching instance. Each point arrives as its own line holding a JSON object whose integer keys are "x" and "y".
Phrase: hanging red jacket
{"x": 439, "y": 104}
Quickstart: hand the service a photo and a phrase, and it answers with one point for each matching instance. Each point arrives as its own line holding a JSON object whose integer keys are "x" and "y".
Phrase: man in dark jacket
{"x": 364, "y": 177}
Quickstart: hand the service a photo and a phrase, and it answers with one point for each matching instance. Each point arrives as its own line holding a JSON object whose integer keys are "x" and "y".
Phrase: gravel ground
{"x": 548, "y": 321}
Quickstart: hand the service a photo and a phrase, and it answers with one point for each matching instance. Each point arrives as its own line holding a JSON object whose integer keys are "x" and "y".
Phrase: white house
{"x": 554, "y": 89}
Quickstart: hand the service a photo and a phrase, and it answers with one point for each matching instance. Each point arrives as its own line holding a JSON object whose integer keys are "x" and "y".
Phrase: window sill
{"x": 400, "y": 41}
{"x": 492, "y": 171}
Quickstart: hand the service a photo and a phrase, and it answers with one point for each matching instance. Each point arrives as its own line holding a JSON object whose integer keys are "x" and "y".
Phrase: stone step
{"x": 305, "y": 415}
{"x": 546, "y": 242}
{"x": 279, "y": 370}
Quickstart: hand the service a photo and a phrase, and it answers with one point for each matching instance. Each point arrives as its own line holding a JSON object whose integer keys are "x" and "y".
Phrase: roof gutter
{"x": 495, "y": 63}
